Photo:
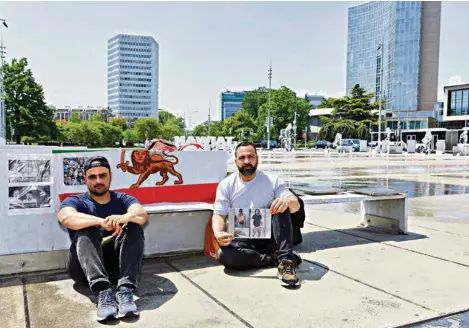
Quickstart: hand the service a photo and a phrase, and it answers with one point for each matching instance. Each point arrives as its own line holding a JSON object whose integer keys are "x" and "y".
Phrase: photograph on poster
{"x": 29, "y": 197}
{"x": 74, "y": 171}
{"x": 29, "y": 170}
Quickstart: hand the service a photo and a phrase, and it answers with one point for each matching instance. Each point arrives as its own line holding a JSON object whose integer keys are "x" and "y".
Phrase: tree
{"x": 27, "y": 112}
{"x": 352, "y": 116}
{"x": 326, "y": 103}
{"x": 119, "y": 121}
{"x": 240, "y": 124}
{"x": 75, "y": 118}
{"x": 147, "y": 128}
{"x": 254, "y": 99}
{"x": 356, "y": 107}
{"x": 284, "y": 105}
{"x": 164, "y": 116}
{"x": 130, "y": 135}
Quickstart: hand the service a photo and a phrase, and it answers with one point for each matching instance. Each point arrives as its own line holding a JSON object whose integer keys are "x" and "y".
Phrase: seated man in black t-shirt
{"x": 116, "y": 217}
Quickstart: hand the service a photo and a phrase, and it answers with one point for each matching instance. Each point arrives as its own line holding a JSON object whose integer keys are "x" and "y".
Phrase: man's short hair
{"x": 96, "y": 161}
{"x": 245, "y": 144}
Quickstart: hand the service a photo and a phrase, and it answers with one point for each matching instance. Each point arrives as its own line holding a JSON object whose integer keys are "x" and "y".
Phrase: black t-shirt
{"x": 256, "y": 218}
{"x": 83, "y": 203}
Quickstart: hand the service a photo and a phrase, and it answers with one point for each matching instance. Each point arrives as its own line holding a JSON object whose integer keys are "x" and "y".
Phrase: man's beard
{"x": 101, "y": 192}
{"x": 247, "y": 169}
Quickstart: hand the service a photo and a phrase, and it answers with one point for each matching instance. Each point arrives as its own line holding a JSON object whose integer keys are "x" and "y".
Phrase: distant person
{"x": 100, "y": 213}
{"x": 253, "y": 187}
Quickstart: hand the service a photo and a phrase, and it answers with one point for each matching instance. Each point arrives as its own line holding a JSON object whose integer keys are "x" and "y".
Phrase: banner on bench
{"x": 150, "y": 176}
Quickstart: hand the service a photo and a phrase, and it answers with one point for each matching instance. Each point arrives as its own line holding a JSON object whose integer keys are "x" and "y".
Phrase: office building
{"x": 456, "y": 106}
{"x": 64, "y": 113}
{"x": 314, "y": 100}
{"x": 230, "y": 103}
{"x": 133, "y": 84}
{"x": 394, "y": 46}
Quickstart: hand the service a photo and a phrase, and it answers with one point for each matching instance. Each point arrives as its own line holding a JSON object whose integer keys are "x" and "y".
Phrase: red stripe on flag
{"x": 204, "y": 192}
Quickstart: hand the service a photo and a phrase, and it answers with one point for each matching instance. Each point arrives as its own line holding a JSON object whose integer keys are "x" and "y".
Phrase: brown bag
{"x": 211, "y": 245}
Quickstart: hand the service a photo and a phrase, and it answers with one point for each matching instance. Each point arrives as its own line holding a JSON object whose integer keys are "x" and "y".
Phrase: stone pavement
{"x": 350, "y": 278}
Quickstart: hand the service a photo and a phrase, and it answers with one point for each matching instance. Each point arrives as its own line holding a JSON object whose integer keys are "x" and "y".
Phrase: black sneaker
{"x": 107, "y": 306}
{"x": 286, "y": 273}
{"x": 127, "y": 306}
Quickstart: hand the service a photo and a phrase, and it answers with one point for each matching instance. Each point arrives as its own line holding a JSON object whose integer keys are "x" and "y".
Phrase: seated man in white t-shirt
{"x": 253, "y": 188}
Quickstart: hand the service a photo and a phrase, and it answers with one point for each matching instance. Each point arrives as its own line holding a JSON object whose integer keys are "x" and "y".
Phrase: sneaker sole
{"x": 289, "y": 283}
{"x": 108, "y": 318}
{"x": 128, "y": 315}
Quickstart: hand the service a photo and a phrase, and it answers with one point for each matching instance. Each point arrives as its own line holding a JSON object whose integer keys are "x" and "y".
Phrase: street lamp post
{"x": 268, "y": 112}
{"x": 209, "y": 119}
{"x": 3, "y": 112}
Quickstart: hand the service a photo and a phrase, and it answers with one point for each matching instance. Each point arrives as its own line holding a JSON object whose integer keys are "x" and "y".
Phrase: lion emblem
{"x": 146, "y": 163}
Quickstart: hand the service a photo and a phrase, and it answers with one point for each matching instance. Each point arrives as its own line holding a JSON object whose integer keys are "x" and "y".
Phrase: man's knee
{"x": 227, "y": 257}
{"x": 134, "y": 230}
{"x": 90, "y": 231}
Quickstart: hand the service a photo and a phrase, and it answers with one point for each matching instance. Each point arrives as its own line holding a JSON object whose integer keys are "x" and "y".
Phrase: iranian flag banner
{"x": 151, "y": 176}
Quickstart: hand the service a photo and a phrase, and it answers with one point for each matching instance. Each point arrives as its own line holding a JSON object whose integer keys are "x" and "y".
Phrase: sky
{"x": 205, "y": 47}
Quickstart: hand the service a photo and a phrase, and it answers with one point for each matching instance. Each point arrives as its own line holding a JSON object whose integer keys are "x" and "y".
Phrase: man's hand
{"x": 223, "y": 238}
{"x": 115, "y": 223}
{"x": 104, "y": 224}
{"x": 116, "y": 220}
{"x": 279, "y": 205}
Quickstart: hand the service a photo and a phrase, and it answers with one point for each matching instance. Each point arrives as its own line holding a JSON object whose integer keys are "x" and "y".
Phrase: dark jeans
{"x": 244, "y": 254}
{"x": 118, "y": 261}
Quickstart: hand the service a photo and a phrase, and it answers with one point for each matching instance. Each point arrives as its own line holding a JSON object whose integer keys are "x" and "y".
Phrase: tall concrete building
{"x": 398, "y": 42}
{"x": 132, "y": 87}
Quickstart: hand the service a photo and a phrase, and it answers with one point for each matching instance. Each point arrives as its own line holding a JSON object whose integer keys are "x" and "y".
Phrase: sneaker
{"x": 286, "y": 273}
{"x": 127, "y": 306}
{"x": 107, "y": 306}
{"x": 298, "y": 258}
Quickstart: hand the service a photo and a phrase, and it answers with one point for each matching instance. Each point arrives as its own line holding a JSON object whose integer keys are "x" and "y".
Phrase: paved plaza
{"x": 350, "y": 277}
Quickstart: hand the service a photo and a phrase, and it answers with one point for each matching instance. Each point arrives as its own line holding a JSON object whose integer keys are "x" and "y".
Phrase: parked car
{"x": 322, "y": 144}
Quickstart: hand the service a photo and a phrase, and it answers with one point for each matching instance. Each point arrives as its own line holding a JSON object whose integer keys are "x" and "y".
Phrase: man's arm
{"x": 284, "y": 200}
{"x": 218, "y": 222}
{"x": 70, "y": 218}
{"x": 218, "y": 227}
{"x": 136, "y": 214}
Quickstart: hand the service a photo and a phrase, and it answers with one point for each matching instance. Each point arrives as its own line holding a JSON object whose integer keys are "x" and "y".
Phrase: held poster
{"x": 250, "y": 223}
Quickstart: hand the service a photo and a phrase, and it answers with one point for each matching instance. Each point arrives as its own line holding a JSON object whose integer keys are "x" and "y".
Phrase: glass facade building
{"x": 314, "y": 100}
{"x": 230, "y": 103}
{"x": 398, "y": 43}
{"x": 132, "y": 88}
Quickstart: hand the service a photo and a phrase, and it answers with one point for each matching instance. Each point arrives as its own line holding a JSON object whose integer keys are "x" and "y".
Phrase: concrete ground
{"x": 350, "y": 277}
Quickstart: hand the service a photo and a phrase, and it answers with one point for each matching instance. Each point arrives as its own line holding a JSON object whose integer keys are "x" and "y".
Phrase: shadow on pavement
{"x": 328, "y": 239}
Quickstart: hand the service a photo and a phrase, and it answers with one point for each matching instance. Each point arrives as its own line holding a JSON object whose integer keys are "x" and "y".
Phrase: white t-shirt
{"x": 232, "y": 192}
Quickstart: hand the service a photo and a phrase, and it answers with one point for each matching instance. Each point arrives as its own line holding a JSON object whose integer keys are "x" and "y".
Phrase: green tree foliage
{"x": 27, "y": 112}
{"x": 75, "y": 118}
{"x": 284, "y": 104}
{"x": 352, "y": 116}
{"x": 130, "y": 135}
{"x": 147, "y": 128}
{"x": 326, "y": 103}
{"x": 119, "y": 121}
{"x": 254, "y": 99}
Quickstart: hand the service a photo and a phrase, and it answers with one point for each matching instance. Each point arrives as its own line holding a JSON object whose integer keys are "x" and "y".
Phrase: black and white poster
{"x": 25, "y": 171}
{"x": 32, "y": 199}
